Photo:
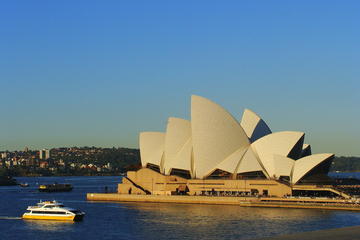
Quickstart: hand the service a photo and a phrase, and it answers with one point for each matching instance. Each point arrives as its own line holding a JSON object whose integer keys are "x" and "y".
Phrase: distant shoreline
{"x": 60, "y": 175}
{"x": 123, "y": 174}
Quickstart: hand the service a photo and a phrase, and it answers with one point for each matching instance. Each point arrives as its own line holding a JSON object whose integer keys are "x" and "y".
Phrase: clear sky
{"x": 96, "y": 73}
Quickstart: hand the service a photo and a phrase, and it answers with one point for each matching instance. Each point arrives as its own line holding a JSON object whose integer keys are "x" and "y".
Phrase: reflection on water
{"x": 219, "y": 221}
{"x": 48, "y": 225}
{"x": 226, "y": 211}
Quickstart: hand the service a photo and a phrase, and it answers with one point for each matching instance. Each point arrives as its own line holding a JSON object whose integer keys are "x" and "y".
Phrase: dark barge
{"x": 55, "y": 187}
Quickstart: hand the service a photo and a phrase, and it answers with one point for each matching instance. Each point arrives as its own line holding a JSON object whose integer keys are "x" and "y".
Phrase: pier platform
{"x": 115, "y": 197}
{"x": 310, "y": 203}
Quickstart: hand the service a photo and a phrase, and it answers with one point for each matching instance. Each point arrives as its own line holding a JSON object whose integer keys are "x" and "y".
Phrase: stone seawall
{"x": 114, "y": 197}
{"x": 240, "y": 201}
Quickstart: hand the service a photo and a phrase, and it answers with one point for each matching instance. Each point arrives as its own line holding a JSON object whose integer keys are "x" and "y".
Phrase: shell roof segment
{"x": 249, "y": 163}
{"x": 283, "y": 166}
{"x": 279, "y": 143}
{"x": 152, "y": 148}
{"x": 177, "y": 145}
{"x": 230, "y": 163}
{"x": 215, "y": 133}
{"x": 303, "y": 165}
{"x": 254, "y": 126}
{"x": 306, "y": 150}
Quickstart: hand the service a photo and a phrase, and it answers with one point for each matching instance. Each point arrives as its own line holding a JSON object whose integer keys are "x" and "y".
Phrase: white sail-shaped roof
{"x": 215, "y": 135}
{"x": 254, "y": 126}
{"x": 306, "y": 150}
{"x": 178, "y": 133}
{"x": 283, "y": 166}
{"x": 231, "y": 162}
{"x": 214, "y": 139}
{"x": 280, "y": 143}
{"x": 304, "y": 165}
{"x": 183, "y": 158}
{"x": 249, "y": 163}
{"x": 152, "y": 148}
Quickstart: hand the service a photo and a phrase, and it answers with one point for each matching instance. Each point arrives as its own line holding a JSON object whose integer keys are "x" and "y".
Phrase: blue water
{"x": 153, "y": 221}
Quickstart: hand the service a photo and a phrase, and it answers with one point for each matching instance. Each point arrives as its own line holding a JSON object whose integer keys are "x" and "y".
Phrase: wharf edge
{"x": 240, "y": 201}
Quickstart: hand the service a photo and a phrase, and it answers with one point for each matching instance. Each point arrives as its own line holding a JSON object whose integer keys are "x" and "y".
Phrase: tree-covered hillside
{"x": 346, "y": 164}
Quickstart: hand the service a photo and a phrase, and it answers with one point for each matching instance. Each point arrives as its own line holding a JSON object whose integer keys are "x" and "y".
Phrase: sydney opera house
{"x": 215, "y": 154}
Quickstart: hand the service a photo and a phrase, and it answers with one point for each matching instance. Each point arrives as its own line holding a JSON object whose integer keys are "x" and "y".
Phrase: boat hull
{"x": 54, "y": 218}
{"x": 79, "y": 217}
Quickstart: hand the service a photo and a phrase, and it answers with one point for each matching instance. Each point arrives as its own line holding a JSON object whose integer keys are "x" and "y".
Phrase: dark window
{"x": 153, "y": 167}
{"x": 219, "y": 174}
{"x": 251, "y": 175}
{"x": 181, "y": 173}
{"x": 48, "y": 212}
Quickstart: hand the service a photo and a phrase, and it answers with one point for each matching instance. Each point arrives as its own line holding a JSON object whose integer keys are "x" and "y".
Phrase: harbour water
{"x": 150, "y": 220}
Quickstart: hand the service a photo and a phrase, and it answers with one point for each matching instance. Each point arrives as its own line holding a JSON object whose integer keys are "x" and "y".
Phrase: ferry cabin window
{"x": 46, "y": 212}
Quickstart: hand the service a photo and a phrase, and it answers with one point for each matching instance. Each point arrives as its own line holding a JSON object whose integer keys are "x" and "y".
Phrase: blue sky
{"x": 99, "y": 72}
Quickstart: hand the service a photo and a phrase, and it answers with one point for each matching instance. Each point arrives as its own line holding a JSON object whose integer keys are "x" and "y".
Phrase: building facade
{"x": 44, "y": 154}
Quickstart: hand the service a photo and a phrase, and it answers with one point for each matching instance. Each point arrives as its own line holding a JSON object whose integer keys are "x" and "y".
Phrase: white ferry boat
{"x": 52, "y": 210}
